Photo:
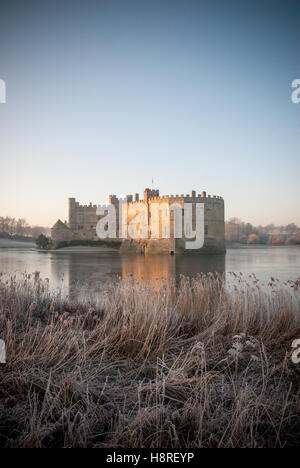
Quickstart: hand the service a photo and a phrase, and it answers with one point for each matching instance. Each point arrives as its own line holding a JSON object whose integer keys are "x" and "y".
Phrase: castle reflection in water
{"x": 71, "y": 270}
{"x": 158, "y": 269}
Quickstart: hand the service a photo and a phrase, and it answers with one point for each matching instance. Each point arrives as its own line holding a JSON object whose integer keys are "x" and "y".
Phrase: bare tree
{"x": 19, "y": 227}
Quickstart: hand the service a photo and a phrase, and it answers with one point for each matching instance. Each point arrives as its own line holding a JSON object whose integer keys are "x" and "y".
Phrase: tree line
{"x": 12, "y": 227}
{"x": 236, "y": 231}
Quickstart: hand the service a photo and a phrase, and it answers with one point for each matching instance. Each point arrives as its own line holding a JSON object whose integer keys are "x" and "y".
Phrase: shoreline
{"x": 82, "y": 249}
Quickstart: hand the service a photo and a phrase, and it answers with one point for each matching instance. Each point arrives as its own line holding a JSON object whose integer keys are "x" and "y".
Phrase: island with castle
{"x": 83, "y": 220}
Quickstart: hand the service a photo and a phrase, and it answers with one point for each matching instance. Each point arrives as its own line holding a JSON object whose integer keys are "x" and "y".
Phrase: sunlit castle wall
{"x": 214, "y": 219}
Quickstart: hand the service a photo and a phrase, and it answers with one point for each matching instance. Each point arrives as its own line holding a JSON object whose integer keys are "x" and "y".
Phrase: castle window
{"x": 206, "y": 230}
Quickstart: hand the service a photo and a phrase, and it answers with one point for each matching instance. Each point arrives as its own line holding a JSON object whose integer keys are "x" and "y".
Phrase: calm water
{"x": 65, "y": 268}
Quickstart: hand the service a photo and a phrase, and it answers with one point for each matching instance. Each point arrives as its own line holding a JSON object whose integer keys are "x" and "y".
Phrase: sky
{"x": 104, "y": 96}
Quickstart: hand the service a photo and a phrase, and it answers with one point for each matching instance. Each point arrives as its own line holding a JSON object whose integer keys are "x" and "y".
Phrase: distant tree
{"x": 236, "y": 231}
{"x": 21, "y": 227}
{"x": 35, "y": 231}
{"x": 290, "y": 241}
{"x": 248, "y": 229}
{"x": 42, "y": 241}
{"x": 253, "y": 239}
{"x": 291, "y": 228}
{"x": 233, "y": 230}
{"x": 243, "y": 239}
{"x": 269, "y": 229}
{"x": 297, "y": 238}
{"x": 276, "y": 240}
{"x": 264, "y": 238}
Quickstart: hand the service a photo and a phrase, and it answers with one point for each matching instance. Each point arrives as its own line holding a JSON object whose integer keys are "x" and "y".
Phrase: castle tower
{"x": 148, "y": 194}
{"x": 72, "y": 214}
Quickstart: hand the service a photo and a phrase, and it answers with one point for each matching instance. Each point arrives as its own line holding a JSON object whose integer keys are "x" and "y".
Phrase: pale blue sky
{"x": 104, "y": 95}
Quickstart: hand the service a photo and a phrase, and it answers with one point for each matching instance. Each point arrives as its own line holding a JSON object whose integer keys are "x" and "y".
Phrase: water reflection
{"x": 154, "y": 270}
{"x": 158, "y": 269}
{"x": 191, "y": 266}
{"x": 67, "y": 269}
{"x": 71, "y": 272}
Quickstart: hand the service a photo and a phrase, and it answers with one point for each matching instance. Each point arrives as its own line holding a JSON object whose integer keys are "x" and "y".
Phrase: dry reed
{"x": 195, "y": 364}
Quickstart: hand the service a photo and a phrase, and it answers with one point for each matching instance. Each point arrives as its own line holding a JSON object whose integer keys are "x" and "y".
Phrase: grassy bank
{"x": 4, "y": 235}
{"x": 192, "y": 366}
{"x": 11, "y": 244}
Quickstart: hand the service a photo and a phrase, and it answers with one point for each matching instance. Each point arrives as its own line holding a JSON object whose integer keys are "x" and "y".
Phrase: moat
{"x": 87, "y": 268}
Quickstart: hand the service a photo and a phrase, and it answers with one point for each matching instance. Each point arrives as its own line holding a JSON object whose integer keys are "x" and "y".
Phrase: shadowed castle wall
{"x": 83, "y": 220}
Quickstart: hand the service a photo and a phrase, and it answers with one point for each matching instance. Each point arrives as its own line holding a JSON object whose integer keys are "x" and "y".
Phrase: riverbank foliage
{"x": 238, "y": 232}
{"x": 19, "y": 229}
{"x": 196, "y": 364}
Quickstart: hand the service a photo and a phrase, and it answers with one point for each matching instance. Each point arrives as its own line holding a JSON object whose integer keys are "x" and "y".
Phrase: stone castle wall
{"x": 83, "y": 221}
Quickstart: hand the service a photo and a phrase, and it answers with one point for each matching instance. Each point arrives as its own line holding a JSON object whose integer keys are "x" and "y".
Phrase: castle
{"x": 83, "y": 221}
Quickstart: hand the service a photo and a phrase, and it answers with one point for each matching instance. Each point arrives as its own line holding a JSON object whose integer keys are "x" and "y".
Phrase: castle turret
{"x": 72, "y": 213}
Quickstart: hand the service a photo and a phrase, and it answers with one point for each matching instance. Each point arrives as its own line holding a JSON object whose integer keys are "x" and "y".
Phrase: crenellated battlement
{"x": 153, "y": 196}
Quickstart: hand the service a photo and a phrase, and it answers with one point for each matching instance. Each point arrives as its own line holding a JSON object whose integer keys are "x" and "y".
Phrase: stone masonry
{"x": 83, "y": 221}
